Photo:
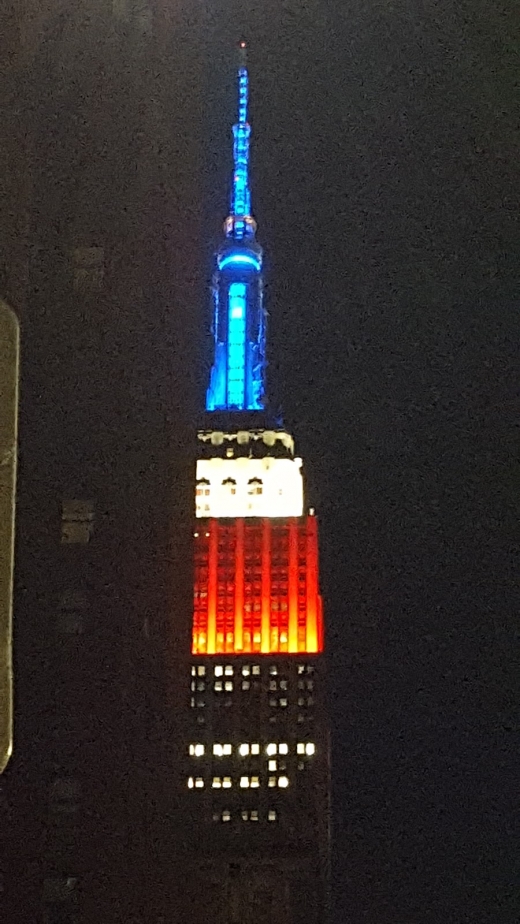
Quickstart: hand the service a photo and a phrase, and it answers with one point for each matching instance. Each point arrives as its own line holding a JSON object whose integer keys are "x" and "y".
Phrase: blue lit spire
{"x": 240, "y": 223}
{"x": 237, "y": 380}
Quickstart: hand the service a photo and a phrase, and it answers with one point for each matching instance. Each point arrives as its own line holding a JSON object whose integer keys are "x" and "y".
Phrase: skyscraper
{"x": 256, "y": 769}
{"x": 101, "y": 108}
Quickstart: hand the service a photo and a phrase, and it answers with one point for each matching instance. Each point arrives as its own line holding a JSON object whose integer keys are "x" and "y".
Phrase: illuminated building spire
{"x": 240, "y": 222}
{"x": 237, "y": 380}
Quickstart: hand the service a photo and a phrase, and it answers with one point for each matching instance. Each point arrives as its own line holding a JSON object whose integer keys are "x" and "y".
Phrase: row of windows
{"x": 246, "y": 749}
{"x": 254, "y": 486}
{"x": 244, "y": 782}
{"x": 301, "y": 719}
{"x": 281, "y": 702}
{"x": 274, "y": 685}
{"x": 228, "y": 670}
{"x": 246, "y": 815}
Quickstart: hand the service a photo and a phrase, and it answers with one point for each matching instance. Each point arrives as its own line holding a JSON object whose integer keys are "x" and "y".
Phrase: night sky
{"x": 386, "y": 190}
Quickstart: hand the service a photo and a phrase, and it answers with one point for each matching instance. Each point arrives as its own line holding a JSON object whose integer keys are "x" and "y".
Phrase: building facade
{"x": 99, "y": 188}
{"x": 257, "y": 757}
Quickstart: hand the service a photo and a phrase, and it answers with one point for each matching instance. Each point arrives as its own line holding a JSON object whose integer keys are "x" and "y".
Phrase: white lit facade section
{"x": 245, "y": 487}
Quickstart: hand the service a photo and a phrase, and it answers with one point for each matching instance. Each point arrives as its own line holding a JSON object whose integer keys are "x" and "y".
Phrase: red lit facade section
{"x": 256, "y": 587}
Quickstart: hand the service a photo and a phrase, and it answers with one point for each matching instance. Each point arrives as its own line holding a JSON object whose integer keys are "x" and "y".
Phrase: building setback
{"x": 256, "y": 769}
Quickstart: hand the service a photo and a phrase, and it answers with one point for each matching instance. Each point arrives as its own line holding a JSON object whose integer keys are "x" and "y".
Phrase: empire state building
{"x": 256, "y": 754}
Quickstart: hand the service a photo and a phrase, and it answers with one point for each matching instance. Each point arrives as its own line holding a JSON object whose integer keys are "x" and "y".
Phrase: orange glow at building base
{"x": 256, "y": 587}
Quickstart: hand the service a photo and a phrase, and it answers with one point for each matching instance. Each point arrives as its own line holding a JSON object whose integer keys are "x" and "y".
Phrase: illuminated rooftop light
{"x": 239, "y": 259}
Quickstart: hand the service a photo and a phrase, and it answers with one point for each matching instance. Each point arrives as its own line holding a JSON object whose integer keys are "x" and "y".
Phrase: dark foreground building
{"x": 99, "y": 241}
{"x": 257, "y": 762}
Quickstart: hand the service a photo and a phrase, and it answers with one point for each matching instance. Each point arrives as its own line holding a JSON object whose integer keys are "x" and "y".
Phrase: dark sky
{"x": 386, "y": 189}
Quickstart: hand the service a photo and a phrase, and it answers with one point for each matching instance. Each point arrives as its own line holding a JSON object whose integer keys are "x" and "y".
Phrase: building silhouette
{"x": 99, "y": 239}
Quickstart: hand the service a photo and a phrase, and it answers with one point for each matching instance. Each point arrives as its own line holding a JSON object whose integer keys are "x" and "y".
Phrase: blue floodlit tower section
{"x": 237, "y": 381}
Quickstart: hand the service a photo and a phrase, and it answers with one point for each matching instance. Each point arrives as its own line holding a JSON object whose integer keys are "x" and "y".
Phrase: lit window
{"x": 273, "y": 685}
{"x": 283, "y": 748}
{"x": 196, "y": 750}
{"x": 283, "y": 782}
{"x": 226, "y": 815}
{"x": 226, "y": 782}
{"x": 191, "y": 782}
{"x": 300, "y": 748}
{"x": 229, "y": 670}
{"x": 243, "y": 750}
{"x": 301, "y": 668}
{"x": 193, "y": 671}
{"x": 255, "y": 749}
{"x": 201, "y": 670}
{"x": 271, "y": 815}
{"x": 283, "y": 703}
{"x": 227, "y": 749}
{"x": 244, "y": 782}
{"x": 192, "y": 702}
{"x": 301, "y": 701}
{"x": 219, "y": 670}
{"x": 273, "y": 669}
{"x": 271, "y": 765}
{"x": 217, "y": 750}
{"x": 199, "y": 783}
{"x": 272, "y": 781}
{"x": 193, "y": 686}
{"x": 228, "y": 686}
{"x": 272, "y": 702}
{"x": 301, "y": 684}
{"x": 310, "y": 701}
{"x": 310, "y": 749}
{"x": 310, "y": 684}
{"x": 256, "y": 669}
{"x": 245, "y": 816}
{"x": 254, "y": 815}
{"x": 255, "y": 782}
{"x": 246, "y": 685}
{"x": 201, "y": 685}
{"x": 271, "y": 749}
{"x": 283, "y": 685}
{"x": 246, "y": 670}
{"x": 218, "y": 686}
{"x": 217, "y": 782}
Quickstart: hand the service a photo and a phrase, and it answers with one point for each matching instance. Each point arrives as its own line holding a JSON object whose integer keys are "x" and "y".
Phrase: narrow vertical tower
{"x": 257, "y": 754}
